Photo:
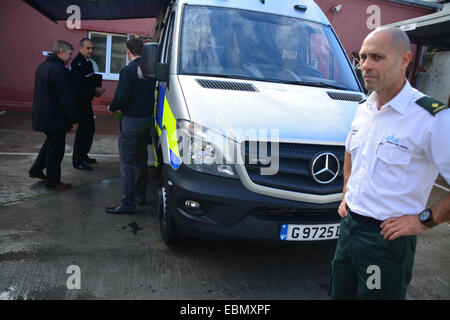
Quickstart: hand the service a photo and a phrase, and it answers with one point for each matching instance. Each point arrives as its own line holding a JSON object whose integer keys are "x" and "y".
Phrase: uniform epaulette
{"x": 433, "y": 106}
{"x": 362, "y": 101}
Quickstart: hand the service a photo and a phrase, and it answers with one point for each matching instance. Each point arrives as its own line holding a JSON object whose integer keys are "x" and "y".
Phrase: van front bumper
{"x": 229, "y": 211}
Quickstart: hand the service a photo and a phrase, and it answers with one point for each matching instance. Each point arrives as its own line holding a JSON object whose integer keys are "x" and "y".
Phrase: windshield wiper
{"x": 227, "y": 76}
{"x": 320, "y": 84}
{"x": 334, "y": 86}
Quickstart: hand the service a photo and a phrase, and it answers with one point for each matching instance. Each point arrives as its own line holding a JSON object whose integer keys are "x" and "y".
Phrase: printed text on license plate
{"x": 315, "y": 232}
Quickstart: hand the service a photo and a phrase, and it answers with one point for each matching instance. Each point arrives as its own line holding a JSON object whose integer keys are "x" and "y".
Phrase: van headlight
{"x": 204, "y": 150}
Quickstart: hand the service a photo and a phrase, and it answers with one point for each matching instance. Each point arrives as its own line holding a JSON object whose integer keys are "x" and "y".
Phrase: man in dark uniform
{"x": 53, "y": 113}
{"x": 85, "y": 89}
{"x": 135, "y": 97}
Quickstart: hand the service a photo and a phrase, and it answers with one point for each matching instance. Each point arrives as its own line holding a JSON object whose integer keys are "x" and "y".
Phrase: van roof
{"x": 131, "y": 9}
{"x": 279, "y": 7}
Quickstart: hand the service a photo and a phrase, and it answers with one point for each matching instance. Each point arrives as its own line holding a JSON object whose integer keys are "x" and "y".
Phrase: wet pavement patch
{"x": 134, "y": 227}
{"x": 17, "y": 256}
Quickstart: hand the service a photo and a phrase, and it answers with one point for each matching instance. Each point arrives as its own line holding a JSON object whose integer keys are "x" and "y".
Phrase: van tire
{"x": 168, "y": 228}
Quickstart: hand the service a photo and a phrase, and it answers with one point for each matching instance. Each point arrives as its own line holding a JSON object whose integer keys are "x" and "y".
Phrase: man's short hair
{"x": 61, "y": 45}
{"x": 136, "y": 46}
{"x": 400, "y": 40}
{"x": 82, "y": 41}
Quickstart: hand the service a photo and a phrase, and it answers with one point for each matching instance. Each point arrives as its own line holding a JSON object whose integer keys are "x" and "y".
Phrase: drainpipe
{"x": 413, "y": 75}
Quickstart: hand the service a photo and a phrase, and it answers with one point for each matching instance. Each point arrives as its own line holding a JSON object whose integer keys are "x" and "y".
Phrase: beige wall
{"x": 436, "y": 81}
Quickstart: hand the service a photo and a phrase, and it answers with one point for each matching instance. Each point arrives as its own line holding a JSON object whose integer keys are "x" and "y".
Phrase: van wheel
{"x": 168, "y": 228}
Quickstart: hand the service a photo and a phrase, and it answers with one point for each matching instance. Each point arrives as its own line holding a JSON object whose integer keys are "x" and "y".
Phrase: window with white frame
{"x": 109, "y": 54}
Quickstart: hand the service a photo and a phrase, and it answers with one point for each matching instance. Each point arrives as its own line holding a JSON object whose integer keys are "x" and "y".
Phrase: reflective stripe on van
{"x": 164, "y": 118}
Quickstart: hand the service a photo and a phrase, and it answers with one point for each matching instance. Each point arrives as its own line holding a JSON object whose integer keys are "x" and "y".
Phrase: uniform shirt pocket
{"x": 389, "y": 170}
{"x": 393, "y": 155}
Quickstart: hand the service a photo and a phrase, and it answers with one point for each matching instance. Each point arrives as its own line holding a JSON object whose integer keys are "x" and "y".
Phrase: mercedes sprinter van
{"x": 254, "y": 102}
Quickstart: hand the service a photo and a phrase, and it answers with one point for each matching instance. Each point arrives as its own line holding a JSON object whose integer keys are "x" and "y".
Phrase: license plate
{"x": 315, "y": 232}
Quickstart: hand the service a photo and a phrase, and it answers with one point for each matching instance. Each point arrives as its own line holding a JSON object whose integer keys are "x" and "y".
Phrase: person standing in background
{"x": 53, "y": 113}
{"x": 135, "y": 97}
{"x": 85, "y": 89}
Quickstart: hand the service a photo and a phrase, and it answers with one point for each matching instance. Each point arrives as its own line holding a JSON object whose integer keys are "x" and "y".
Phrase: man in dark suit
{"x": 135, "y": 97}
{"x": 53, "y": 113}
{"x": 85, "y": 89}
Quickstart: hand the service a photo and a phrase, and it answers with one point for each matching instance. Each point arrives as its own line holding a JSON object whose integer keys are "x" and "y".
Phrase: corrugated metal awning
{"x": 420, "y": 4}
{"x": 99, "y": 9}
{"x": 432, "y": 30}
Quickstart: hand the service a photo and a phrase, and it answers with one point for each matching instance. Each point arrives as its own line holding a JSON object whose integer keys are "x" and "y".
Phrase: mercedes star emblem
{"x": 325, "y": 168}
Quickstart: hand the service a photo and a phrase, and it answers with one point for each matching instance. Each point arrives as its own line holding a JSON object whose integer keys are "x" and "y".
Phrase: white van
{"x": 254, "y": 101}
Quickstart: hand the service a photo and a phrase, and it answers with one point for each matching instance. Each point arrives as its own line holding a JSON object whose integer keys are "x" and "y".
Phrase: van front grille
{"x": 301, "y": 214}
{"x": 294, "y": 167}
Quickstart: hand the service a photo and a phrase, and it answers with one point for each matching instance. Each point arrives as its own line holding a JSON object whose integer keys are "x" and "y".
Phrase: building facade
{"x": 355, "y": 19}
{"x": 27, "y": 36}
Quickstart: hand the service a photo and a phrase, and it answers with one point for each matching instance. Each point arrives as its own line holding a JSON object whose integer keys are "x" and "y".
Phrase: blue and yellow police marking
{"x": 164, "y": 118}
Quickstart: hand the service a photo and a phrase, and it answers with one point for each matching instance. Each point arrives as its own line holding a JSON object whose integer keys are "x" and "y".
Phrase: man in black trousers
{"x": 85, "y": 89}
{"x": 135, "y": 97}
{"x": 53, "y": 113}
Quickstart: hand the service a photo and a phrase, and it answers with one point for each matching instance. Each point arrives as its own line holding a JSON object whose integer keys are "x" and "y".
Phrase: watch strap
{"x": 430, "y": 223}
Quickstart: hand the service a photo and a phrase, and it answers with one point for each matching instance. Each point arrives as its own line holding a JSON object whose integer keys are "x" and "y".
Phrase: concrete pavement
{"x": 19, "y": 146}
{"x": 43, "y": 233}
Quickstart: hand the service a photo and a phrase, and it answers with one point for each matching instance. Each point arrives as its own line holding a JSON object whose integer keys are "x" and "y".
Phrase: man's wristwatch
{"x": 426, "y": 218}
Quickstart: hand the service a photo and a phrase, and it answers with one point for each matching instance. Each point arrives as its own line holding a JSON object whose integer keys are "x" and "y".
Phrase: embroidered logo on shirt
{"x": 393, "y": 140}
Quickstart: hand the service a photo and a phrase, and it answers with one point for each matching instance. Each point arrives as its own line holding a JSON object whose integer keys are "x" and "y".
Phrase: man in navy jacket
{"x": 135, "y": 97}
{"x": 85, "y": 89}
{"x": 53, "y": 113}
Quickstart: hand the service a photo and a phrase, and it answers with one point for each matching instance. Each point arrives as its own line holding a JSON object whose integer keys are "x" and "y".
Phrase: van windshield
{"x": 258, "y": 46}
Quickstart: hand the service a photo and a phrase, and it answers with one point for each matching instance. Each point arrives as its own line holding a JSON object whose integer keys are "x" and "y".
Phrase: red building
{"x": 26, "y": 36}
{"x": 354, "y": 18}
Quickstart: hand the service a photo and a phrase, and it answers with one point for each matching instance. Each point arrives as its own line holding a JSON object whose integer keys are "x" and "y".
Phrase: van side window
{"x": 167, "y": 48}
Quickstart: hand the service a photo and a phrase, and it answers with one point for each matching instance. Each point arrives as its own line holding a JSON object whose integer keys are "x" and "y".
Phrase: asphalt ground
{"x": 43, "y": 233}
